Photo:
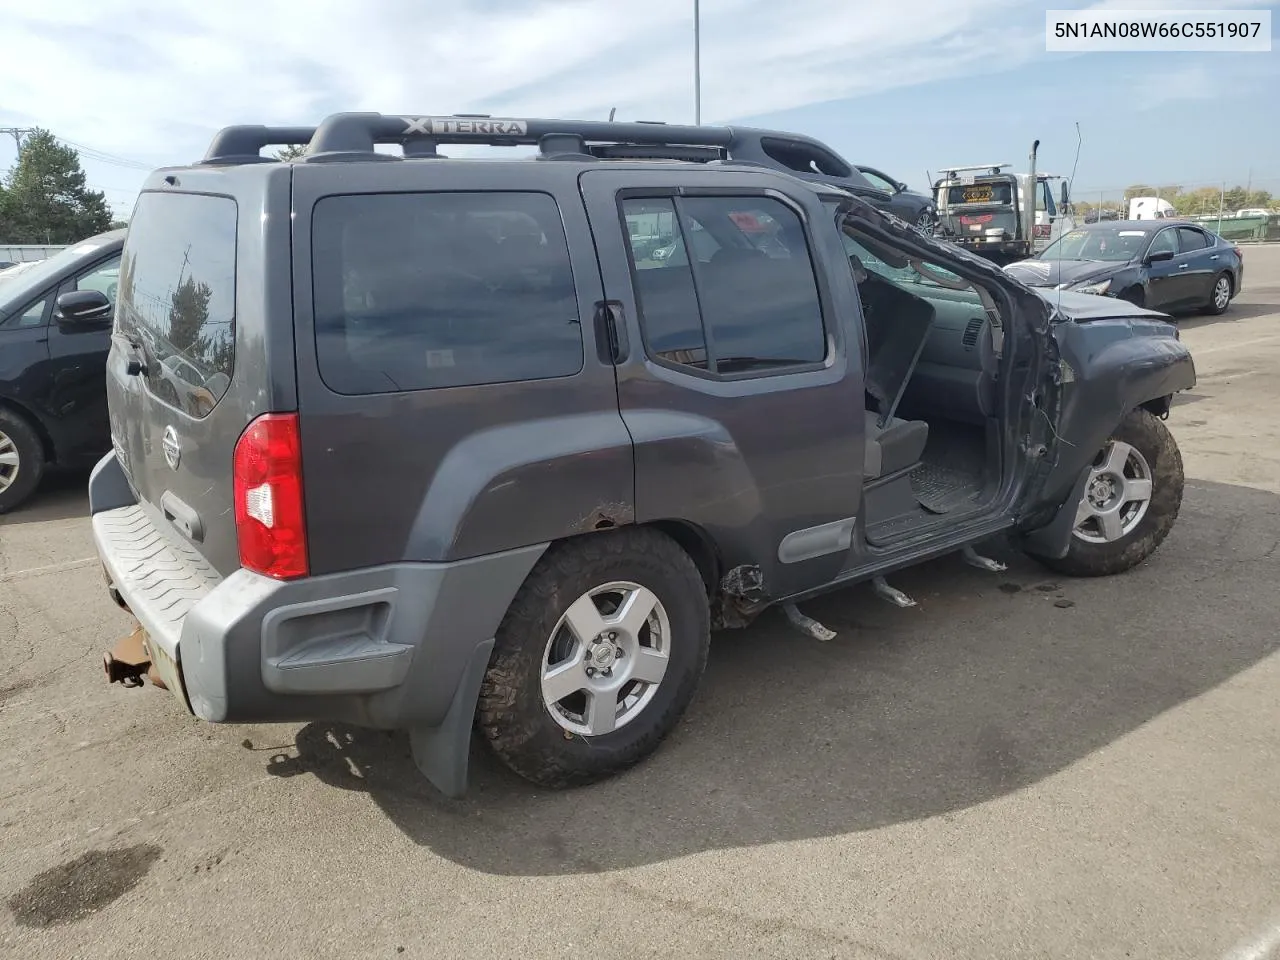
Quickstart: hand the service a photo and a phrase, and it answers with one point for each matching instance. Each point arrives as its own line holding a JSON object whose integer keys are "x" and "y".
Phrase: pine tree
{"x": 45, "y": 198}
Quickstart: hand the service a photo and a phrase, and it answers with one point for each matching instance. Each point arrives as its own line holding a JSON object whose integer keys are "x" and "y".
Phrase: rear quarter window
{"x": 177, "y": 294}
{"x": 418, "y": 291}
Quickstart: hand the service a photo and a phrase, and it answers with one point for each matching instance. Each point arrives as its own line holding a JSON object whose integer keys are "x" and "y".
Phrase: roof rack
{"x": 353, "y": 136}
{"x": 950, "y": 172}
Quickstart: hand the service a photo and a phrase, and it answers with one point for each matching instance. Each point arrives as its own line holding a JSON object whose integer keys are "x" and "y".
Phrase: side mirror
{"x": 83, "y": 308}
{"x": 1065, "y": 200}
{"x": 1159, "y": 256}
{"x": 899, "y": 186}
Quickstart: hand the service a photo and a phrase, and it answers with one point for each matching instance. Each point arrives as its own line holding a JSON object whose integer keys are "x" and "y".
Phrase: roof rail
{"x": 354, "y": 136}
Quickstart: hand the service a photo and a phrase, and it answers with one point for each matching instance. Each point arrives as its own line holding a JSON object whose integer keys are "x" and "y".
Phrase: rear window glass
{"x": 426, "y": 290}
{"x": 998, "y": 192}
{"x": 177, "y": 294}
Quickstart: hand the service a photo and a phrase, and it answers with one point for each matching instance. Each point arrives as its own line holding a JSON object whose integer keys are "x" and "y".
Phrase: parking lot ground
{"x": 1022, "y": 766}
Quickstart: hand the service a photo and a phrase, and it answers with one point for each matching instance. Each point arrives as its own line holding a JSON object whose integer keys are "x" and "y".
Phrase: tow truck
{"x": 985, "y": 208}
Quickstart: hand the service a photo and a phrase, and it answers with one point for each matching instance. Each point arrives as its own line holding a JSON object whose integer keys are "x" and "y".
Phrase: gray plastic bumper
{"x": 401, "y": 646}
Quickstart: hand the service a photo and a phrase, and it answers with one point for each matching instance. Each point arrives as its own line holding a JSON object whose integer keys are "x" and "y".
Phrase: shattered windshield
{"x": 1115, "y": 245}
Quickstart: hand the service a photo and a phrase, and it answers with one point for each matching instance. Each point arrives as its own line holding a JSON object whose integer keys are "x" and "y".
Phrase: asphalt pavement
{"x": 1022, "y": 766}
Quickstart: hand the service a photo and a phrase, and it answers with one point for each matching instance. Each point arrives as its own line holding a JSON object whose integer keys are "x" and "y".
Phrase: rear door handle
{"x": 1183, "y": 266}
{"x": 1214, "y": 257}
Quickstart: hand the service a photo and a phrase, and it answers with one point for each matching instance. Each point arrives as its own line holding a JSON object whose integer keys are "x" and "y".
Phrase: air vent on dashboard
{"x": 971, "y": 332}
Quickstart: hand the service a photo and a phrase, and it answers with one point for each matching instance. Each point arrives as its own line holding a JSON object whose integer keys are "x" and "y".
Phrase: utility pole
{"x": 697, "y": 65}
{"x": 18, "y": 133}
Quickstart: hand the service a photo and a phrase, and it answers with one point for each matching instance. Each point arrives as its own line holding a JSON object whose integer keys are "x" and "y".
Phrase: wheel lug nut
{"x": 607, "y": 671}
{"x": 613, "y": 636}
{"x": 591, "y": 671}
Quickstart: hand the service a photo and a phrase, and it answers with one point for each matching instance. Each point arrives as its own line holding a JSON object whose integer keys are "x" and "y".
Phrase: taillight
{"x": 1239, "y": 252}
{"x": 267, "y": 483}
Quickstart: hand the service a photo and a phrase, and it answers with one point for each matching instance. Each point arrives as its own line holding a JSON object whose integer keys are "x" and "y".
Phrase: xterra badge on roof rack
{"x": 455, "y": 126}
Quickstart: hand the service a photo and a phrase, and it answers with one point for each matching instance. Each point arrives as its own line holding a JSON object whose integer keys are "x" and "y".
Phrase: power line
{"x": 102, "y": 156}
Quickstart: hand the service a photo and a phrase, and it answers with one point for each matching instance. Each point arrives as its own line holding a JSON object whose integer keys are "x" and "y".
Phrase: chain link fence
{"x": 1246, "y": 212}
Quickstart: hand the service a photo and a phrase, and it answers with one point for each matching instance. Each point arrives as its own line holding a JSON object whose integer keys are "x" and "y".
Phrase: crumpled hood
{"x": 1088, "y": 306}
{"x": 1049, "y": 273}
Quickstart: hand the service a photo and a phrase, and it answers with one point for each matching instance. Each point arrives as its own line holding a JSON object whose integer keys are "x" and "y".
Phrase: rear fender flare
{"x": 524, "y": 483}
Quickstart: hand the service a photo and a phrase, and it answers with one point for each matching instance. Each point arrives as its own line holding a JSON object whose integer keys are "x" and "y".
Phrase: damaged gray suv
{"x": 437, "y": 444}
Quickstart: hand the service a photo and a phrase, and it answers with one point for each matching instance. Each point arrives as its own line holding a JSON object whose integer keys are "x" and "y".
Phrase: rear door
{"x": 1197, "y": 265}
{"x": 192, "y": 290}
{"x": 737, "y": 384}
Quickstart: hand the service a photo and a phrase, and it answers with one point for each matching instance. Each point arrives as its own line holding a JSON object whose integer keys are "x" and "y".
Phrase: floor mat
{"x": 941, "y": 489}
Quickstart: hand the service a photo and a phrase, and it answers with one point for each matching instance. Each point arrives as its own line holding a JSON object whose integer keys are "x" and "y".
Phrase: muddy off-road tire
{"x": 21, "y": 460}
{"x": 1130, "y": 503}
{"x": 597, "y": 659}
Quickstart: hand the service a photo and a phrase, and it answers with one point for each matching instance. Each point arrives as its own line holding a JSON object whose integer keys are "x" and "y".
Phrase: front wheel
{"x": 927, "y": 222}
{"x": 597, "y": 658}
{"x": 1130, "y": 502}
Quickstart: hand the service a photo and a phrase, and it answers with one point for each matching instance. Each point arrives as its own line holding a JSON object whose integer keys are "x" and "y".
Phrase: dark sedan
{"x": 1173, "y": 267}
{"x": 914, "y": 207}
{"x": 55, "y": 331}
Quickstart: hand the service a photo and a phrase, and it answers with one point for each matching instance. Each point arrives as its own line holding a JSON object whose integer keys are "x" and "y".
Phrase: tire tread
{"x": 511, "y": 715}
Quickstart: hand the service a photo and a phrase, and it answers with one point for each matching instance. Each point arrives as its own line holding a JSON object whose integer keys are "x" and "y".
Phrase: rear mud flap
{"x": 442, "y": 754}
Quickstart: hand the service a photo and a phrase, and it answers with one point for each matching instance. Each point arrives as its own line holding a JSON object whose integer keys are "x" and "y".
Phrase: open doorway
{"x": 931, "y": 343}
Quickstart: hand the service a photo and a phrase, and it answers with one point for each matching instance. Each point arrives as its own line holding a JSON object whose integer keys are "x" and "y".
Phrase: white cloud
{"x": 153, "y": 81}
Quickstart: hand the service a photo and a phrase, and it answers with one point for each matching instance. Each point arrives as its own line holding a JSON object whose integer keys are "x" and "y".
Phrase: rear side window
{"x": 747, "y": 298}
{"x": 177, "y": 294}
{"x": 416, "y": 291}
{"x": 1192, "y": 239}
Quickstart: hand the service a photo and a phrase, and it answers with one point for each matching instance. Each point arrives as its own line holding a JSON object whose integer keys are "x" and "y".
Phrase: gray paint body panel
{"x": 426, "y": 510}
{"x": 747, "y": 459}
{"x": 447, "y": 473}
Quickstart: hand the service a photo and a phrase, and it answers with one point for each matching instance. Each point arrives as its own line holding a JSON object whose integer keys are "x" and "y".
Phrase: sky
{"x": 907, "y": 86}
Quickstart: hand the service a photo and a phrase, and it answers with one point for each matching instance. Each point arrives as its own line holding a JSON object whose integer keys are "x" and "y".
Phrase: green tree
{"x": 188, "y": 312}
{"x": 46, "y": 199}
{"x": 291, "y": 152}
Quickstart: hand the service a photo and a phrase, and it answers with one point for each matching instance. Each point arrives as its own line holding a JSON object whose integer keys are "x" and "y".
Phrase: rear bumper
{"x": 389, "y": 646}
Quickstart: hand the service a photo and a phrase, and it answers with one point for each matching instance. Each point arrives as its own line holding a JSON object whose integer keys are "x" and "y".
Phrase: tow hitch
{"x": 128, "y": 662}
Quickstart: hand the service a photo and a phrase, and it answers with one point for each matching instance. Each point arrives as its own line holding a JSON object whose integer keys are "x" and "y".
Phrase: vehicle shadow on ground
{"x": 61, "y": 495}
{"x": 995, "y": 682}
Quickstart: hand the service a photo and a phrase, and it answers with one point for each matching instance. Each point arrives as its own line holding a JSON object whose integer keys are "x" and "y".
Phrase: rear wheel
{"x": 927, "y": 221}
{"x": 1220, "y": 298}
{"x": 597, "y": 659}
{"x": 1130, "y": 503}
{"x": 21, "y": 460}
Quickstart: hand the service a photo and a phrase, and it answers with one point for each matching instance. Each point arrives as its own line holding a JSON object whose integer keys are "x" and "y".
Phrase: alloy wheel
{"x": 10, "y": 462}
{"x": 606, "y": 658}
{"x": 1117, "y": 495}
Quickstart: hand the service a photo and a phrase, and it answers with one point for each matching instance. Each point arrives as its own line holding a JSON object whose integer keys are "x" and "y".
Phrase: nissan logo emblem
{"x": 172, "y": 451}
